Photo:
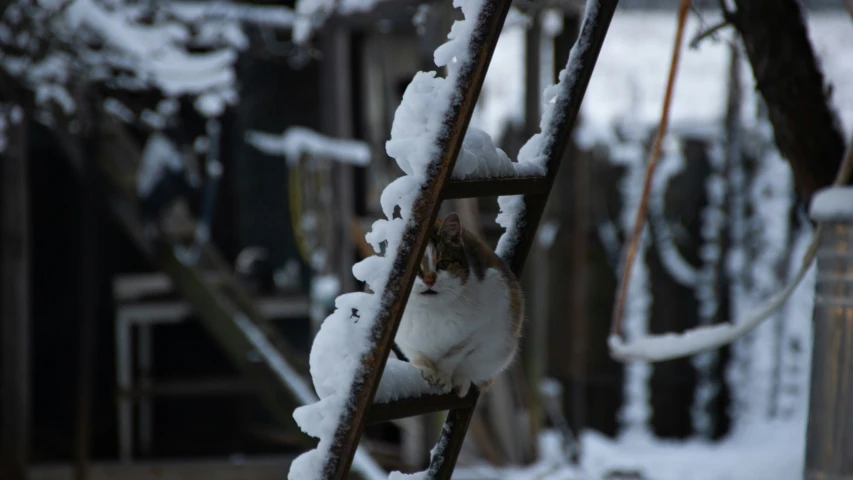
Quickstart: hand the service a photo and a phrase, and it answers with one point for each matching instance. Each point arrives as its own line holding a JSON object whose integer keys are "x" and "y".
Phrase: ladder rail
{"x": 467, "y": 86}
{"x": 580, "y": 66}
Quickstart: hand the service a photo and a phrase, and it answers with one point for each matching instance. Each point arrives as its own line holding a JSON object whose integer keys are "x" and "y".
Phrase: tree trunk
{"x": 792, "y": 85}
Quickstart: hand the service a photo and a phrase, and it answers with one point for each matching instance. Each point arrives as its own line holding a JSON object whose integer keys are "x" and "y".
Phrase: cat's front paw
{"x": 461, "y": 385}
{"x": 436, "y": 378}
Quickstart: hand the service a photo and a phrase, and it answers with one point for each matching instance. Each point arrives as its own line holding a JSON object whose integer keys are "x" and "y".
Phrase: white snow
{"x": 266, "y": 15}
{"x": 401, "y": 380}
{"x": 112, "y": 43}
{"x": 832, "y": 204}
{"x": 158, "y": 156}
{"x": 706, "y": 293}
{"x": 480, "y": 158}
{"x": 670, "y": 165}
{"x": 119, "y": 110}
{"x": 310, "y": 14}
{"x": 298, "y": 141}
{"x": 636, "y": 409}
{"x": 772, "y": 451}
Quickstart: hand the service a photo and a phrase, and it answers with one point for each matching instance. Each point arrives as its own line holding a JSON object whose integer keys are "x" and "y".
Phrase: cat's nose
{"x": 429, "y": 279}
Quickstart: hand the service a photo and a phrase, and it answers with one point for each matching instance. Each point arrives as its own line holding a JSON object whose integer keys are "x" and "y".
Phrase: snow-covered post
{"x": 829, "y": 438}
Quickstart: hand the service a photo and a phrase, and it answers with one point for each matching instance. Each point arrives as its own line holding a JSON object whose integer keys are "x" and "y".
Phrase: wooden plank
{"x": 495, "y": 187}
{"x": 449, "y": 141}
{"x": 14, "y": 300}
{"x": 829, "y": 436}
{"x": 594, "y": 32}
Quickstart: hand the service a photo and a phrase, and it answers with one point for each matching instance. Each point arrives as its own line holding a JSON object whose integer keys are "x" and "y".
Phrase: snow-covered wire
{"x": 668, "y": 346}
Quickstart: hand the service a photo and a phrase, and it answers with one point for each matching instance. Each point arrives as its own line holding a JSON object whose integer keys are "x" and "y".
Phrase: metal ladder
{"x": 439, "y": 187}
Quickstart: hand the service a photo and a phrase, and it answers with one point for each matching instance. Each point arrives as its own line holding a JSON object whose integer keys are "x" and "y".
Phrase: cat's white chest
{"x": 431, "y": 325}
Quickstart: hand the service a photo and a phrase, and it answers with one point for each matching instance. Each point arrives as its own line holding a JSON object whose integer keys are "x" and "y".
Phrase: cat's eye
{"x": 441, "y": 265}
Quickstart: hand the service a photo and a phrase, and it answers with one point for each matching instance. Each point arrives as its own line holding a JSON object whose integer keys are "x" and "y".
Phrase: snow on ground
{"x": 766, "y": 452}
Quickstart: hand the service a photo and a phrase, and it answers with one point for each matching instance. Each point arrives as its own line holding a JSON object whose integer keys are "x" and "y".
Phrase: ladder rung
{"x": 495, "y": 187}
{"x": 410, "y": 407}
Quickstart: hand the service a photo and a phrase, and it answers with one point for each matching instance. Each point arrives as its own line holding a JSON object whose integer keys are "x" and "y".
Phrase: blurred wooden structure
{"x": 15, "y": 291}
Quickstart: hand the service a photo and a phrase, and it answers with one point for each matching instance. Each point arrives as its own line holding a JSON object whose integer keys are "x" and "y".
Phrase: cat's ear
{"x": 451, "y": 227}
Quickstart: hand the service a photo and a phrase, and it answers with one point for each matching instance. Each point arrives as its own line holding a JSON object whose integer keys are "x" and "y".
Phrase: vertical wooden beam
{"x": 90, "y": 276}
{"x": 569, "y": 204}
{"x": 536, "y": 351}
{"x": 14, "y": 297}
{"x": 337, "y": 121}
{"x": 829, "y": 437}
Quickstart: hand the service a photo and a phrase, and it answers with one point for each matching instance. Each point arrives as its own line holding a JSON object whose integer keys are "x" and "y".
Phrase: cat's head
{"x": 444, "y": 267}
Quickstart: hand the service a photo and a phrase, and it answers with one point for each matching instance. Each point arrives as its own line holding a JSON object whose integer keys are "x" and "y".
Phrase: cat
{"x": 463, "y": 318}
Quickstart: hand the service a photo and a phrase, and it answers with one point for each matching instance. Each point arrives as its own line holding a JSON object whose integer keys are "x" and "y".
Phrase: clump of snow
{"x": 310, "y": 14}
{"x": 832, "y": 204}
{"x": 480, "y": 158}
{"x": 298, "y": 141}
{"x": 401, "y": 380}
{"x": 127, "y": 46}
{"x": 159, "y": 156}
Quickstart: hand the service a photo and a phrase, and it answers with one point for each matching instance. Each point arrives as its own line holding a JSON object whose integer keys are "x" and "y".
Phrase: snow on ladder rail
{"x": 423, "y": 127}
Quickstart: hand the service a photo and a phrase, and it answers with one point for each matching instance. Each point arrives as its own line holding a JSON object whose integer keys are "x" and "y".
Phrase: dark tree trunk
{"x": 792, "y": 85}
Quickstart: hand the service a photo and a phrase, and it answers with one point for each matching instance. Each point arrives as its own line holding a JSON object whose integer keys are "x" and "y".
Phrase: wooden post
{"x": 14, "y": 298}
{"x": 829, "y": 438}
{"x": 90, "y": 276}
{"x": 337, "y": 121}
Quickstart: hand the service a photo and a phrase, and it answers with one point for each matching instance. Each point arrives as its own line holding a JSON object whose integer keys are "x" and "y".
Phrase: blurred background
{"x": 167, "y": 167}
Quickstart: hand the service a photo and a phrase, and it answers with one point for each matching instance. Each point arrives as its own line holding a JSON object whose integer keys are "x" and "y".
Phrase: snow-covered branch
{"x": 178, "y": 49}
{"x": 298, "y": 141}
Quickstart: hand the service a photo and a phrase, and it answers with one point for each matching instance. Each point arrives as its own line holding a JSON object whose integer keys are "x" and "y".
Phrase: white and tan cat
{"x": 464, "y": 316}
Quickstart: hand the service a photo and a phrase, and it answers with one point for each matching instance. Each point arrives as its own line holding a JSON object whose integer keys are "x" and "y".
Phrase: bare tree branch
{"x": 654, "y": 155}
